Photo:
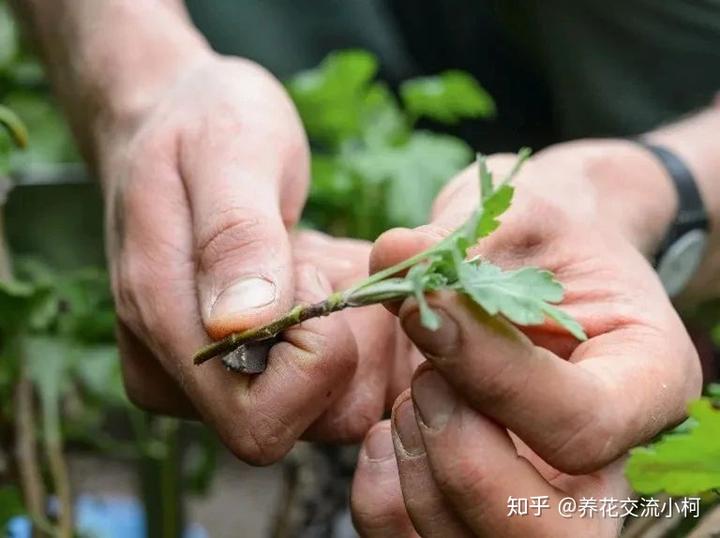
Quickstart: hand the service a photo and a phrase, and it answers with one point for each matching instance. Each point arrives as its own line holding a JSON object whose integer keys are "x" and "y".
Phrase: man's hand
{"x": 204, "y": 166}
{"x": 200, "y": 194}
{"x": 498, "y": 411}
{"x": 200, "y": 198}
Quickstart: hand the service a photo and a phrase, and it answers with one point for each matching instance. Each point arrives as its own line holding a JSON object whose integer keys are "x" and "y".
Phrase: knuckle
{"x": 329, "y": 345}
{"x": 591, "y": 443}
{"x": 248, "y": 69}
{"x": 374, "y": 518}
{"x": 234, "y": 230}
{"x": 464, "y": 477}
{"x": 264, "y": 441}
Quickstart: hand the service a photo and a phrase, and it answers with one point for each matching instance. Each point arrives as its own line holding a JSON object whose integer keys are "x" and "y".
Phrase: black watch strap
{"x": 691, "y": 214}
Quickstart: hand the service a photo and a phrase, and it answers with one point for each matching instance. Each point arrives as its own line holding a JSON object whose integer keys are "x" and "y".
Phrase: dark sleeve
{"x": 621, "y": 67}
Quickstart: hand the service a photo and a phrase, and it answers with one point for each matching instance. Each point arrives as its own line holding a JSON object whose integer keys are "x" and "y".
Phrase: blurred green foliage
{"x": 24, "y": 89}
{"x": 62, "y": 326}
{"x": 447, "y": 98}
{"x": 685, "y": 461}
{"x": 372, "y": 169}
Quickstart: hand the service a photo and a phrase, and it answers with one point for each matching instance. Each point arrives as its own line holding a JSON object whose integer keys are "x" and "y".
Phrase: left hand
{"x": 498, "y": 411}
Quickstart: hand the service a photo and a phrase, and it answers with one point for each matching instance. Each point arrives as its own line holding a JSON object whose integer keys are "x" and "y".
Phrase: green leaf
{"x": 428, "y": 317}
{"x": 447, "y": 98}
{"x": 522, "y": 296}
{"x": 493, "y": 206}
{"x": 11, "y": 504}
{"x": 418, "y": 275}
{"x": 494, "y": 201}
{"x": 14, "y": 126}
{"x": 485, "y": 220}
{"x": 331, "y": 181}
{"x": 486, "y": 178}
{"x": 51, "y": 139}
{"x": 565, "y": 320}
{"x": 330, "y": 98}
{"x": 681, "y": 463}
{"x": 25, "y": 306}
{"x": 414, "y": 172}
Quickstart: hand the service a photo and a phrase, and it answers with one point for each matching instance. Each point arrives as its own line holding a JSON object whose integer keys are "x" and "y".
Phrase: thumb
{"x": 243, "y": 257}
{"x": 244, "y": 275}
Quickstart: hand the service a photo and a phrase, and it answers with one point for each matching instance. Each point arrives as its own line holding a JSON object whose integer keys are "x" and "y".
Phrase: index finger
{"x": 616, "y": 387}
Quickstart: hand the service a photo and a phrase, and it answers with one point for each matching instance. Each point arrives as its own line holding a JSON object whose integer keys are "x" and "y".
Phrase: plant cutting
{"x": 525, "y": 296}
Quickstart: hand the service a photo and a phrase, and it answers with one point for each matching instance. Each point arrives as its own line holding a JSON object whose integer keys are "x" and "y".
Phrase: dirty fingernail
{"x": 434, "y": 398}
{"x": 245, "y": 294}
{"x": 407, "y": 429}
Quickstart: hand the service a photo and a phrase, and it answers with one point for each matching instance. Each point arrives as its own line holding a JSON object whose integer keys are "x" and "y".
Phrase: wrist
{"x": 111, "y": 60}
{"x": 129, "y": 73}
{"x": 695, "y": 142}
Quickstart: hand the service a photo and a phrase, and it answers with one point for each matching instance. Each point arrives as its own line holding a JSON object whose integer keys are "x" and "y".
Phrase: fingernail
{"x": 442, "y": 342}
{"x": 407, "y": 429}
{"x": 245, "y": 294}
{"x": 378, "y": 445}
{"x": 434, "y": 398}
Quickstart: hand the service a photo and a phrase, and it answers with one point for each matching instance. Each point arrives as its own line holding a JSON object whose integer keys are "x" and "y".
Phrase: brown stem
{"x": 59, "y": 472}
{"x": 297, "y": 315}
{"x": 26, "y": 452}
{"x": 5, "y": 265}
{"x": 367, "y": 293}
{"x": 26, "y": 457}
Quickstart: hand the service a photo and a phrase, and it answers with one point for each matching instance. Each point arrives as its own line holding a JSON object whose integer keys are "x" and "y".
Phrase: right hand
{"x": 201, "y": 188}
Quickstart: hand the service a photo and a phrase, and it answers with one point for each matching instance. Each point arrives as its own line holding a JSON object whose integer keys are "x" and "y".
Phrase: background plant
{"x": 372, "y": 167}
